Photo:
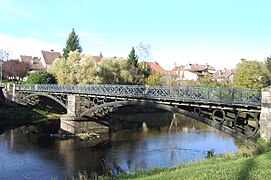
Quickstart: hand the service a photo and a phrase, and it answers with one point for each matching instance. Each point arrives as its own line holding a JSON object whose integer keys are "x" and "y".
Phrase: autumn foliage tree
{"x": 77, "y": 68}
{"x": 15, "y": 70}
{"x": 83, "y": 69}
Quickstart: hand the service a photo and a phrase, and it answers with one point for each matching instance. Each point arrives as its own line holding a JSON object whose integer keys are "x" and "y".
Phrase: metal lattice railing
{"x": 194, "y": 94}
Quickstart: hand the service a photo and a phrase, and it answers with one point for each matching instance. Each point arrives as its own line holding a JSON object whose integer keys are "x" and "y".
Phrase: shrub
{"x": 41, "y": 78}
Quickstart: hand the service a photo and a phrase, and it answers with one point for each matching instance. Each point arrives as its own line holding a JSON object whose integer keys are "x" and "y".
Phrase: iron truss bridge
{"x": 234, "y": 111}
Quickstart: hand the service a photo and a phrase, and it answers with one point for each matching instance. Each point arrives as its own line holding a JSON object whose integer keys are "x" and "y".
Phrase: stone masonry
{"x": 265, "y": 118}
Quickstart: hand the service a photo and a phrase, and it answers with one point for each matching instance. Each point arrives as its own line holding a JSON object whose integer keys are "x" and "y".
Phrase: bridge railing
{"x": 198, "y": 94}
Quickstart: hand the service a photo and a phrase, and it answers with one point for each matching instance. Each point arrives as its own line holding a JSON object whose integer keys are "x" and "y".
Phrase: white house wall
{"x": 187, "y": 75}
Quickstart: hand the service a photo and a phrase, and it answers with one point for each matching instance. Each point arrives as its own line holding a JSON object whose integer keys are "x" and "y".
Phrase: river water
{"x": 152, "y": 141}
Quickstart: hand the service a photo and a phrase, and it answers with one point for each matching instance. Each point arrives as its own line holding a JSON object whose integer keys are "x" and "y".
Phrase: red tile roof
{"x": 35, "y": 63}
{"x": 50, "y": 56}
{"x": 196, "y": 67}
{"x": 155, "y": 67}
{"x": 26, "y": 58}
{"x": 224, "y": 73}
{"x": 97, "y": 58}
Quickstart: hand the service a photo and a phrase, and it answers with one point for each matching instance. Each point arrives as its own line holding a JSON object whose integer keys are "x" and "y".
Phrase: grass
{"x": 253, "y": 163}
{"x": 249, "y": 164}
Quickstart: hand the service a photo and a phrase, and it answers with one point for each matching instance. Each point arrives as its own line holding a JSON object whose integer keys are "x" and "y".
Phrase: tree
{"x": 115, "y": 71}
{"x": 267, "y": 71}
{"x": 207, "y": 81}
{"x": 251, "y": 74}
{"x": 143, "y": 51}
{"x": 132, "y": 58}
{"x": 72, "y": 44}
{"x": 14, "y": 69}
{"x": 41, "y": 77}
{"x": 81, "y": 68}
{"x": 77, "y": 68}
{"x": 4, "y": 54}
{"x": 268, "y": 65}
{"x": 144, "y": 71}
{"x": 154, "y": 79}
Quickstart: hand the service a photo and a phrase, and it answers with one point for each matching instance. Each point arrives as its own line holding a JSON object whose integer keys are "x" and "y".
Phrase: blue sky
{"x": 217, "y": 32}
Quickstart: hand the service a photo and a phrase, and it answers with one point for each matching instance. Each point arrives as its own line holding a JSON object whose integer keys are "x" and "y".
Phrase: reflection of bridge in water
{"x": 233, "y": 111}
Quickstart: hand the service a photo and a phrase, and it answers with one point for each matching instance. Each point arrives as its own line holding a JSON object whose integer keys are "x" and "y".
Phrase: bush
{"x": 41, "y": 78}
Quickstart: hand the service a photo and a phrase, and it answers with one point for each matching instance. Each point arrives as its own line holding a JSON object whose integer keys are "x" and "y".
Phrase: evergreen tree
{"x": 132, "y": 58}
{"x": 72, "y": 44}
{"x": 268, "y": 64}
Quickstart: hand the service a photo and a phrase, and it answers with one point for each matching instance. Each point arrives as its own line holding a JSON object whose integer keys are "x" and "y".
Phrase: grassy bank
{"x": 12, "y": 117}
{"x": 249, "y": 164}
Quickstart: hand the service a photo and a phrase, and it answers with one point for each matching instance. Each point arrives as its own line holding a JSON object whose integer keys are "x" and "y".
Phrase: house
{"x": 48, "y": 57}
{"x": 225, "y": 74}
{"x": 177, "y": 70}
{"x": 193, "y": 71}
{"x": 156, "y": 68}
{"x": 35, "y": 63}
{"x": 41, "y": 64}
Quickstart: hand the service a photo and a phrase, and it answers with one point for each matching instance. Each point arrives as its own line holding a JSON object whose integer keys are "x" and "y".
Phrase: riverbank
{"x": 12, "y": 117}
{"x": 16, "y": 115}
{"x": 249, "y": 164}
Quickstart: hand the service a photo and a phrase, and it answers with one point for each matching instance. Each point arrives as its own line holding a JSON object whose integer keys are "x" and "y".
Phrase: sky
{"x": 179, "y": 32}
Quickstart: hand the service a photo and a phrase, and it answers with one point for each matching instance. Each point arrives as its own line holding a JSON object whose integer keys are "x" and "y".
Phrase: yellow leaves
{"x": 77, "y": 68}
{"x": 81, "y": 68}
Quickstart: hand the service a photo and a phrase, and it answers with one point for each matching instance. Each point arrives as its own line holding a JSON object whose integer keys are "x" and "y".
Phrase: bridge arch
{"x": 193, "y": 113}
{"x": 45, "y": 95}
{"x": 138, "y": 103}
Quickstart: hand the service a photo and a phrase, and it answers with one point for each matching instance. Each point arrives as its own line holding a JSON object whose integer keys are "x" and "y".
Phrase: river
{"x": 151, "y": 141}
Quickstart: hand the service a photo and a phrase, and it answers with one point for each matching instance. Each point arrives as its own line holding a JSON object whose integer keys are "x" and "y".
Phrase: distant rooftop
{"x": 50, "y": 56}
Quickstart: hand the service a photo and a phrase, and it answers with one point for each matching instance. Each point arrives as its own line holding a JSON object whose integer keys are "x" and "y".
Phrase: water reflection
{"x": 44, "y": 157}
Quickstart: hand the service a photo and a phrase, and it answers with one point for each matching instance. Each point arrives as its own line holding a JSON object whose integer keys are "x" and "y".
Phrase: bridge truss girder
{"x": 239, "y": 122}
{"x": 29, "y": 98}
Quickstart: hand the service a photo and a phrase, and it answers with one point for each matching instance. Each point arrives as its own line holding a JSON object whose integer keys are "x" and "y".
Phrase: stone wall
{"x": 73, "y": 123}
{"x": 79, "y": 125}
{"x": 265, "y": 118}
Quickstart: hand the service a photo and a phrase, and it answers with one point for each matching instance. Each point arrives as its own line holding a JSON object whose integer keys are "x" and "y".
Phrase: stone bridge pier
{"x": 73, "y": 123}
{"x": 265, "y": 117}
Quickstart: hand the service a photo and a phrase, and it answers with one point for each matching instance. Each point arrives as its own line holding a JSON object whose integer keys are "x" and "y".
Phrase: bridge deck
{"x": 219, "y": 96}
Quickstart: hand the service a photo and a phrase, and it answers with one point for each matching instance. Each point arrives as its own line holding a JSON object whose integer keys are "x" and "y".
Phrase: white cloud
{"x": 26, "y": 46}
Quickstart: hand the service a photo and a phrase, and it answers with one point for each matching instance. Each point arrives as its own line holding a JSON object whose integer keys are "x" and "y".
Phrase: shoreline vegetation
{"x": 248, "y": 163}
{"x": 16, "y": 116}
